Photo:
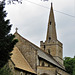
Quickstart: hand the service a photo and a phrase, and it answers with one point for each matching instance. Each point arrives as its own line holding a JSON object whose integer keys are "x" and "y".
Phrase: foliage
{"x": 5, "y": 71}
{"x": 13, "y": 1}
{"x": 69, "y": 64}
{"x": 19, "y": 1}
{"x": 7, "y": 40}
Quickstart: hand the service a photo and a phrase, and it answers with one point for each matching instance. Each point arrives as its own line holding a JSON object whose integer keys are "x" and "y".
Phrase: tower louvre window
{"x": 49, "y": 39}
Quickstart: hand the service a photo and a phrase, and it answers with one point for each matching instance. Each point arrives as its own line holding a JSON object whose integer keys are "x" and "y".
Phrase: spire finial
{"x": 51, "y": 3}
{"x": 16, "y": 29}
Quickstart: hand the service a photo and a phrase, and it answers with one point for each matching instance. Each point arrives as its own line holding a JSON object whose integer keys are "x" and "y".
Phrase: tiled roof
{"x": 20, "y": 62}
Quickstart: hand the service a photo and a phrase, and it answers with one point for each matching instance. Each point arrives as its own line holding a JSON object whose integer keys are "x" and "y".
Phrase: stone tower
{"x": 52, "y": 45}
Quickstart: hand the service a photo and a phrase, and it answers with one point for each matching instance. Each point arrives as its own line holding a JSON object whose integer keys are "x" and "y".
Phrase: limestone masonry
{"x": 29, "y": 59}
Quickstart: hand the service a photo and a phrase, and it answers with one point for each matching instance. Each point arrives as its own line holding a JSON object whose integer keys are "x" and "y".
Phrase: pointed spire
{"x": 51, "y": 31}
{"x": 51, "y": 4}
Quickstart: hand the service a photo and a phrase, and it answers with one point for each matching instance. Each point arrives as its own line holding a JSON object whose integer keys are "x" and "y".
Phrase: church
{"x": 29, "y": 59}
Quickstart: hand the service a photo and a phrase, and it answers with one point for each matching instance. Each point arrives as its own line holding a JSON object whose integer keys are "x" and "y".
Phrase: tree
{"x": 19, "y": 1}
{"x": 7, "y": 40}
{"x": 13, "y": 1}
{"x": 73, "y": 71}
{"x": 5, "y": 71}
{"x": 69, "y": 64}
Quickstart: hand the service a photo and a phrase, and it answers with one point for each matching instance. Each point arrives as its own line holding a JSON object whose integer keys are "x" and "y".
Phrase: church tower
{"x": 52, "y": 45}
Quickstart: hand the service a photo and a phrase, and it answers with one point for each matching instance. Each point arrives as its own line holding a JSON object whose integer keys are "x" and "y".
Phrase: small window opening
{"x": 50, "y": 22}
{"x": 49, "y": 38}
{"x": 48, "y": 65}
{"x": 44, "y": 47}
{"x": 48, "y": 51}
{"x": 21, "y": 73}
{"x": 43, "y": 63}
{"x": 26, "y": 73}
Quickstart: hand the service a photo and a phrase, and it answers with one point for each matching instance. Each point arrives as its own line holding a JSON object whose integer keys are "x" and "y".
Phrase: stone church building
{"x": 29, "y": 59}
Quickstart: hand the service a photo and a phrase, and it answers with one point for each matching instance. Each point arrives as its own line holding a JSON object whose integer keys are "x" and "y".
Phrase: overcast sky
{"x": 31, "y": 20}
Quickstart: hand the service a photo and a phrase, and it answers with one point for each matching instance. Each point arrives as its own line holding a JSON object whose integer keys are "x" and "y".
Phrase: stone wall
{"x": 59, "y": 71}
{"x": 28, "y": 51}
{"x": 54, "y": 48}
{"x": 50, "y": 71}
{"x": 46, "y": 70}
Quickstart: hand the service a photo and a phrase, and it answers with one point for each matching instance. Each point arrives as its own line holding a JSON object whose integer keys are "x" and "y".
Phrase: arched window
{"x": 49, "y": 39}
{"x": 21, "y": 73}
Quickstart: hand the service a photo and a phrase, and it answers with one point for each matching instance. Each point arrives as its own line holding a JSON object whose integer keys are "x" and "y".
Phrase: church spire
{"x": 51, "y": 31}
{"x": 52, "y": 46}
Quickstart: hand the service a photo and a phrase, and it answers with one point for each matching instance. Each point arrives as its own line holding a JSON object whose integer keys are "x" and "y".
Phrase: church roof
{"x": 41, "y": 53}
{"x": 20, "y": 62}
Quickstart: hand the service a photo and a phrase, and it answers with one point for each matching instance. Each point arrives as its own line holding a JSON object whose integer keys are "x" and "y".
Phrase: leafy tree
{"x": 5, "y": 71}
{"x": 7, "y": 40}
{"x": 13, "y": 1}
{"x": 73, "y": 71}
{"x": 69, "y": 64}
